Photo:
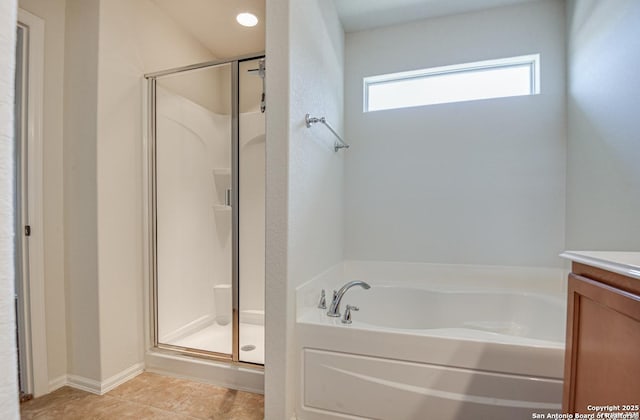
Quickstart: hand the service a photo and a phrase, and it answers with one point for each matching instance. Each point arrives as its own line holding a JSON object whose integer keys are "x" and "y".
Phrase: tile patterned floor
{"x": 148, "y": 396}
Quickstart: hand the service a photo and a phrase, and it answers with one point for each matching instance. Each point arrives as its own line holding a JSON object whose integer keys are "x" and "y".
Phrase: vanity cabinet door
{"x": 602, "y": 359}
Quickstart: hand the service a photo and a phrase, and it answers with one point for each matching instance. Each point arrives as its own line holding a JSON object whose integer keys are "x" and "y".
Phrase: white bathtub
{"x": 432, "y": 350}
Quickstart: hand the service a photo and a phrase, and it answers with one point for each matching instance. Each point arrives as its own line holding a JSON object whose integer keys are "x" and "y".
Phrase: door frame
{"x": 33, "y": 323}
{"x": 149, "y": 213}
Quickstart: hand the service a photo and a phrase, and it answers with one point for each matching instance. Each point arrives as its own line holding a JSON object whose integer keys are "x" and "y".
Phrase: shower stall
{"x": 206, "y": 151}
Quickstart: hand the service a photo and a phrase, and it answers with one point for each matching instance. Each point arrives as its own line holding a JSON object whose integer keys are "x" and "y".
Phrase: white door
{"x": 21, "y": 252}
{"x": 28, "y": 205}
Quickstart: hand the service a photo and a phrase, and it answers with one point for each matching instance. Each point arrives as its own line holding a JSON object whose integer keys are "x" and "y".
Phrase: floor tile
{"x": 148, "y": 396}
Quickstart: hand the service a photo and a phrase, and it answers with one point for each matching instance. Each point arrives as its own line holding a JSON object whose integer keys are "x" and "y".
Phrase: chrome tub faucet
{"x": 334, "y": 309}
{"x": 346, "y": 319}
{"x": 322, "y": 303}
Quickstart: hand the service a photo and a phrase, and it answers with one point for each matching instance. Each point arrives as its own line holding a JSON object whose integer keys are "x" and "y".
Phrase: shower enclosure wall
{"x": 207, "y": 177}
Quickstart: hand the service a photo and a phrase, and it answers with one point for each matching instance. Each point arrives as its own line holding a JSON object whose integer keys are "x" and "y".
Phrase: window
{"x": 501, "y": 78}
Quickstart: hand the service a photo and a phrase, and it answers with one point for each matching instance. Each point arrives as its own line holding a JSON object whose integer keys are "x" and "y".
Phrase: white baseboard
{"x": 84, "y": 384}
{"x": 57, "y": 383}
{"x": 93, "y": 386}
{"x": 188, "y": 329}
{"x": 121, "y": 377}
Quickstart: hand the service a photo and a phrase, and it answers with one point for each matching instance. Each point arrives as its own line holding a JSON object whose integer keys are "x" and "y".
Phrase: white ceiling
{"x": 213, "y": 23}
{"x": 357, "y": 15}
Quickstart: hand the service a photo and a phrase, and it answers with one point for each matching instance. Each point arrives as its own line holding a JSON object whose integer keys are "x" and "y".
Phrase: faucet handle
{"x": 346, "y": 319}
{"x": 322, "y": 304}
{"x": 334, "y": 309}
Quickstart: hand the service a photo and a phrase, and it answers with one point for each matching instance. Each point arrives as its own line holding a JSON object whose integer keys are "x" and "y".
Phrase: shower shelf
{"x": 221, "y": 207}
{"x": 221, "y": 171}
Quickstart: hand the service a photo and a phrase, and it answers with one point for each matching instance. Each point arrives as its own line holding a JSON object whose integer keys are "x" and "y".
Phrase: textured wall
{"x": 8, "y": 361}
{"x": 603, "y": 175}
{"x": 479, "y": 182}
{"x": 305, "y": 49}
{"x": 316, "y": 171}
{"x": 278, "y": 313}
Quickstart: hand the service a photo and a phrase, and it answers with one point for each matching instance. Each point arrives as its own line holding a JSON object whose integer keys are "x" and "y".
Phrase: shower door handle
{"x": 227, "y": 197}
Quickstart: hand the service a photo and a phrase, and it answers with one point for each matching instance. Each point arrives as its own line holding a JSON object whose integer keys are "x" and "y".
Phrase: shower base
{"x": 217, "y": 338}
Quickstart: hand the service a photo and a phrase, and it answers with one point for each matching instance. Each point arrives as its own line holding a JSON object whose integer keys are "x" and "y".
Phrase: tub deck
{"x": 459, "y": 362}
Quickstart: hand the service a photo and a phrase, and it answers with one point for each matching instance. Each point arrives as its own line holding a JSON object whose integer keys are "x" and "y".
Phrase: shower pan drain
{"x": 248, "y": 347}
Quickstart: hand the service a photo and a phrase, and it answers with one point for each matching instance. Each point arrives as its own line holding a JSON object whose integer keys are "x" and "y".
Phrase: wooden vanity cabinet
{"x": 602, "y": 358}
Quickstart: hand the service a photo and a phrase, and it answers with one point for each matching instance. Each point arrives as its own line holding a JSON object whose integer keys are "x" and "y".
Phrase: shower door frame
{"x": 151, "y": 137}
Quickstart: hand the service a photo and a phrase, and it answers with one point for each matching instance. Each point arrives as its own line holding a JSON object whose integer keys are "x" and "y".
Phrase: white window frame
{"x": 531, "y": 60}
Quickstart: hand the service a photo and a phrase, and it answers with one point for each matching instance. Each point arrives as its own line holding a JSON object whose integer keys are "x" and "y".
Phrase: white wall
{"x": 8, "y": 373}
{"x": 603, "y": 179}
{"x": 136, "y": 37}
{"x": 304, "y": 222}
{"x": 80, "y": 207}
{"x": 279, "y": 315}
{"x": 316, "y": 171}
{"x": 53, "y": 14}
{"x": 109, "y": 46}
{"x": 479, "y": 182}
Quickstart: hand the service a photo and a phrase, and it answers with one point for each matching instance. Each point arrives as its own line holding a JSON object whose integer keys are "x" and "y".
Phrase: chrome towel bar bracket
{"x": 340, "y": 144}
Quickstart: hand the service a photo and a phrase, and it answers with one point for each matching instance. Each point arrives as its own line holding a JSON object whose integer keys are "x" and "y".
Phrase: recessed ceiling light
{"x": 247, "y": 19}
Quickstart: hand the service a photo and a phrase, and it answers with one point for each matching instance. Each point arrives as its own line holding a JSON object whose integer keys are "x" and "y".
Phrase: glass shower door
{"x": 252, "y": 175}
{"x": 193, "y": 214}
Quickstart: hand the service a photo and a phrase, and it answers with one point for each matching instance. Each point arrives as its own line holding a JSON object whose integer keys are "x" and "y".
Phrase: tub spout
{"x": 334, "y": 309}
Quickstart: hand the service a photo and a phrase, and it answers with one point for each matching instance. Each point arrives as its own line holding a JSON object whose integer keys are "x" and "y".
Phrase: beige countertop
{"x": 625, "y": 263}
